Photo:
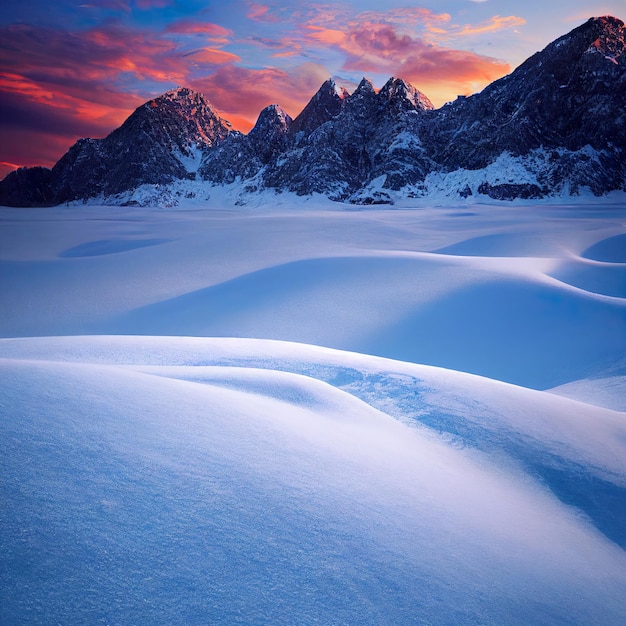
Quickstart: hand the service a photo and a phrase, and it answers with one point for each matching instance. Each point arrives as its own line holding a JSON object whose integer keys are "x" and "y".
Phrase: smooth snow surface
{"x": 313, "y": 415}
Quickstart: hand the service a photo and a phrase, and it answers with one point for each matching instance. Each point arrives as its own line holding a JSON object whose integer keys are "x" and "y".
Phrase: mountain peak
{"x": 180, "y": 92}
{"x": 605, "y": 34}
{"x": 559, "y": 117}
{"x": 323, "y": 106}
{"x": 272, "y": 119}
{"x": 399, "y": 92}
{"x": 341, "y": 91}
{"x": 180, "y": 96}
{"x": 270, "y": 135}
{"x": 609, "y": 37}
{"x": 365, "y": 88}
{"x": 606, "y": 21}
{"x": 185, "y": 115}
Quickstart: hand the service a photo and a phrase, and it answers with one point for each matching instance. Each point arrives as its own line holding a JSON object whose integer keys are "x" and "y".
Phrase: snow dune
{"x": 504, "y": 293}
{"x": 308, "y": 415}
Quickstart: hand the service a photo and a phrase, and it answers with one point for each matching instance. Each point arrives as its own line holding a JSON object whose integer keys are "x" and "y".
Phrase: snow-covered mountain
{"x": 555, "y": 125}
{"x": 162, "y": 141}
{"x": 561, "y": 113}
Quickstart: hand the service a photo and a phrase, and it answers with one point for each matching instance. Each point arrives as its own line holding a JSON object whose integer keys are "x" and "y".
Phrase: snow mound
{"x": 611, "y": 250}
{"x": 186, "y": 480}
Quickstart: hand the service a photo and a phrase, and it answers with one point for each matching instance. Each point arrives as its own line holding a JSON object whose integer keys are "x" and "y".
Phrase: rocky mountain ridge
{"x": 554, "y": 126}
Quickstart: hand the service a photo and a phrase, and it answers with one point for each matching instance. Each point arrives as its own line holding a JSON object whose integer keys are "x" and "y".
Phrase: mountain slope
{"x": 566, "y": 98}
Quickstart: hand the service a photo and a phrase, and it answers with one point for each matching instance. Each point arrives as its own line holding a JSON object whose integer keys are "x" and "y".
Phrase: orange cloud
{"x": 78, "y": 107}
{"x": 19, "y": 84}
{"x": 242, "y": 123}
{"x": 62, "y": 85}
{"x": 496, "y": 23}
{"x": 6, "y": 168}
{"x": 58, "y": 85}
{"x": 388, "y": 49}
{"x": 327, "y": 36}
{"x": 285, "y": 54}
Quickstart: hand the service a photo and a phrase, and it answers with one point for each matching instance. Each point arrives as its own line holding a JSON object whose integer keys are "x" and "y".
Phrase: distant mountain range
{"x": 553, "y": 127}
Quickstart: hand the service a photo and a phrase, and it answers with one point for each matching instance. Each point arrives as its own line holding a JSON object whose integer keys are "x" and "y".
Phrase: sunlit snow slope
{"x": 454, "y": 453}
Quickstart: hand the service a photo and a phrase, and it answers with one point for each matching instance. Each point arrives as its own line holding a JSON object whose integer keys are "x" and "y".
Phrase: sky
{"x": 72, "y": 69}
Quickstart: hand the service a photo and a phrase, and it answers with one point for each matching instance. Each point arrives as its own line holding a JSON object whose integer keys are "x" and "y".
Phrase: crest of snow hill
{"x": 555, "y": 126}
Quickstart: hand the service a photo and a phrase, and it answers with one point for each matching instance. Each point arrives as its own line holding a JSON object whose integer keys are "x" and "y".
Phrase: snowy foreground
{"x": 313, "y": 415}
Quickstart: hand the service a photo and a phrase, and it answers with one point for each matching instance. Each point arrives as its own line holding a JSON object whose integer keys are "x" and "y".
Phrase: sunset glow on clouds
{"x": 68, "y": 72}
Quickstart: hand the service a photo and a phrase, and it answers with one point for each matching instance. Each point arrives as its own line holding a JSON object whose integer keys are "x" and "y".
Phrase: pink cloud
{"x": 62, "y": 85}
{"x": 260, "y": 13}
{"x": 413, "y": 42}
{"x": 240, "y": 93}
{"x": 210, "y": 56}
{"x": 285, "y": 54}
{"x": 65, "y": 85}
{"x": 383, "y": 47}
{"x": 190, "y": 27}
{"x": 6, "y": 168}
{"x": 329, "y": 36}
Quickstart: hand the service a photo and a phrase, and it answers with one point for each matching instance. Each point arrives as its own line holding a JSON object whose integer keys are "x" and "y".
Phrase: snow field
{"x": 306, "y": 415}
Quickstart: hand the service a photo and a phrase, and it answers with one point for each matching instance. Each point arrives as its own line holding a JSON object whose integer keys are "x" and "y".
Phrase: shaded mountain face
{"x": 323, "y": 107}
{"x": 27, "y": 186}
{"x": 555, "y": 125}
{"x": 244, "y": 156}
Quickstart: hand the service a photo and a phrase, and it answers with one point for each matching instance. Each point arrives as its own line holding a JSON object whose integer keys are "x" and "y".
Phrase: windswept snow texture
{"x": 310, "y": 415}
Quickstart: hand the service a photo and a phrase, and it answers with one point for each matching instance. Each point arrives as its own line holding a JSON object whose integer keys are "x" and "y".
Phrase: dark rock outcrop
{"x": 27, "y": 186}
{"x": 323, "y": 107}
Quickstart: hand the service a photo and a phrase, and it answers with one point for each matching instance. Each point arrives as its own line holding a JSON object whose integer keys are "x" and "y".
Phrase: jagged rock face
{"x": 555, "y": 125}
{"x": 243, "y": 156}
{"x": 569, "y": 95}
{"x": 404, "y": 97}
{"x": 27, "y": 186}
{"x": 181, "y": 119}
